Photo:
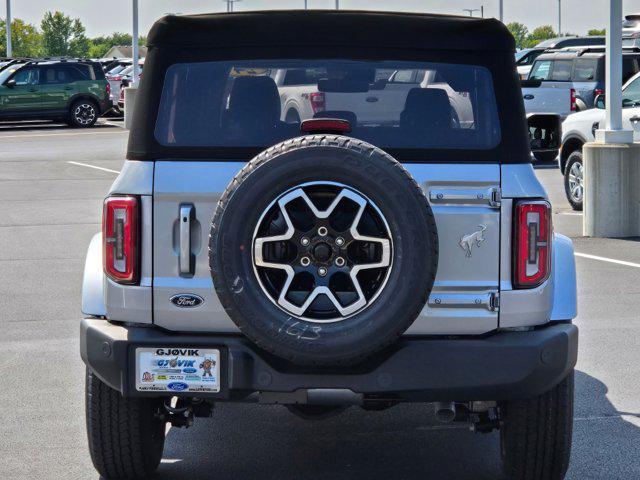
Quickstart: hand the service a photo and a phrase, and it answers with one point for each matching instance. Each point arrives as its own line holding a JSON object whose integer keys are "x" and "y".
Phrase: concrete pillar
{"x": 612, "y": 190}
{"x": 130, "y": 94}
{"x": 611, "y": 164}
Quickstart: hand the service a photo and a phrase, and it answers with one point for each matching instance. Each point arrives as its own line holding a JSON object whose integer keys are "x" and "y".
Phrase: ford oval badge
{"x": 177, "y": 386}
{"x": 187, "y": 300}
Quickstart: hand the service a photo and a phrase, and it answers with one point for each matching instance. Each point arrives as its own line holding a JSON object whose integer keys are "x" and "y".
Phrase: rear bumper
{"x": 105, "y": 106}
{"x": 503, "y": 366}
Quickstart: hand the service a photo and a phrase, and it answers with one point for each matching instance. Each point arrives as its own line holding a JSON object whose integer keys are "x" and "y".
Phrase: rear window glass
{"x": 390, "y": 104}
{"x": 584, "y": 70}
{"x": 562, "y": 70}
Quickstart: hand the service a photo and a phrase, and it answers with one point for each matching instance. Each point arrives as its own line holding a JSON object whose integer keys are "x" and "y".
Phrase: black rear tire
{"x": 126, "y": 437}
{"x": 574, "y": 165}
{"x": 83, "y": 113}
{"x": 536, "y": 435}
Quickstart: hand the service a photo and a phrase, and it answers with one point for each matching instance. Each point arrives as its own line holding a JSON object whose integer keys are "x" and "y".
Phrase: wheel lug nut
{"x": 340, "y": 261}
{"x": 322, "y": 271}
{"x": 322, "y": 231}
{"x": 304, "y": 241}
{"x": 305, "y": 261}
{"x": 339, "y": 241}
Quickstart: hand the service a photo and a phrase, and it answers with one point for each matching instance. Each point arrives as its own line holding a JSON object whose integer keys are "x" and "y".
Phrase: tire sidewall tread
{"x": 125, "y": 438}
{"x": 574, "y": 157}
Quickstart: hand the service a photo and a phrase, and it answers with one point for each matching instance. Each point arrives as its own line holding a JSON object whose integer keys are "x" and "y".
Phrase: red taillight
{"x": 317, "y": 101}
{"x": 120, "y": 235}
{"x": 107, "y": 89}
{"x": 532, "y": 243}
{"x": 598, "y": 91}
{"x": 574, "y": 105}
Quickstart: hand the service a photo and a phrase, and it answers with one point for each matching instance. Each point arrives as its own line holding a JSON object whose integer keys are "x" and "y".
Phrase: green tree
{"x": 26, "y": 41}
{"x": 97, "y": 50}
{"x": 63, "y": 36}
{"x": 100, "y": 45}
{"x": 539, "y": 34}
{"x": 519, "y": 32}
{"x": 597, "y": 32}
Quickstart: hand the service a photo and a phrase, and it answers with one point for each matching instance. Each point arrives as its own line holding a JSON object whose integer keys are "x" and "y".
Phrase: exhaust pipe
{"x": 445, "y": 411}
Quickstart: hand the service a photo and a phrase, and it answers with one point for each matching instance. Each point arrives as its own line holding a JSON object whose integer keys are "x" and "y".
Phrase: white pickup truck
{"x": 540, "y": 98}
{"x": 307, "y": 93}
{"x": 546, "y": 108}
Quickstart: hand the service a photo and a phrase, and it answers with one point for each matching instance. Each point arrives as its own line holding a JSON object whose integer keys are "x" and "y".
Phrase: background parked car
{"x": 107, "y": 63}
{"x": 8, "y": 62}
{"x": 75, "y": 92}
{"x": 581, "y": 71}
{"x": 580, "y": 128}
{"x": 526, "y": 57}
{"x": 119, "y": 78}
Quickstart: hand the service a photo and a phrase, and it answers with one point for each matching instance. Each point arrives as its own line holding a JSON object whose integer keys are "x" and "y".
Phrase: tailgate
{"x": 545, "y": 99}
{"x": 465, "y": 201}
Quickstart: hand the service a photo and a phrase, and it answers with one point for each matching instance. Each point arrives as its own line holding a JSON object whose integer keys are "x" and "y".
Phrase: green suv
{"x": 75, "y": 92}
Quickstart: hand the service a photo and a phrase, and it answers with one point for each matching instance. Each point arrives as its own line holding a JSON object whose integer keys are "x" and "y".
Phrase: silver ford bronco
{"x": 389, "y": 243}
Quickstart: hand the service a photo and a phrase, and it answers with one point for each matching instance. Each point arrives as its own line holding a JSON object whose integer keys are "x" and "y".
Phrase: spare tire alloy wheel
{"x": 324, "y": 259}
{"x": 323, "y": 250}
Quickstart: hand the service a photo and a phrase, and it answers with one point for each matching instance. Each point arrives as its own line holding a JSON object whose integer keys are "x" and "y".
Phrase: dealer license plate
{"x": 177, "y": 370}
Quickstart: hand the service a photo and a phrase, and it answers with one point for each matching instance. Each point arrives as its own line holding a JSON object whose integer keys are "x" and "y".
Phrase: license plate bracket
{"x": 178, "y": 369}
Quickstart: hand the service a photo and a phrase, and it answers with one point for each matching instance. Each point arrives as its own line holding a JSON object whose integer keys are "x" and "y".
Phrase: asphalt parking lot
{"x": 52, "y": 183}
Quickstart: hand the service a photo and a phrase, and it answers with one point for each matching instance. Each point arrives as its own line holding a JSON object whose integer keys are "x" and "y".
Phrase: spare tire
{"x": 323, "y": 250}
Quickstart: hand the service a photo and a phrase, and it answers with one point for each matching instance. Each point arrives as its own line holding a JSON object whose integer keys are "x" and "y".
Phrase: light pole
{"x": 502, "y": 11}
{"x": 8, "y": 26}
{"x": 305, "y": 4}
{"x": 471, "y": 10}
{"x": 135, "y": 44}
{"x": 613, "y": 73}
{"x": 337, "y": 4}
{"x": 131, "y": 91}
{"x": 559, "y": 18}
{"x": 231, "y": 2}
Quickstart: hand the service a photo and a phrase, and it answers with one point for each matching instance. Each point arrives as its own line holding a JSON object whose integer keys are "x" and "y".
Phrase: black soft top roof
{"x": 330, "y": 34}
{"x": 327, "y": 27}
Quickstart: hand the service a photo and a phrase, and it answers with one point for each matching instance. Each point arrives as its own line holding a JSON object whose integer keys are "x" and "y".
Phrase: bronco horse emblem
{"x": 467, "y": 242}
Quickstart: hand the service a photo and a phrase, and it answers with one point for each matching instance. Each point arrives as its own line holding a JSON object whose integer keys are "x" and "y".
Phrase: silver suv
{"x": 329, "y": 261}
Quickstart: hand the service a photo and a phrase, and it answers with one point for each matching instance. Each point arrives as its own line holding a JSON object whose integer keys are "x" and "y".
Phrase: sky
{"x": 105, "y": 16}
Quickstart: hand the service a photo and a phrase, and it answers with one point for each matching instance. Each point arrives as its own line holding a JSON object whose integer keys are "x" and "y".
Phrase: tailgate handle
{"x": 187, "y": 259}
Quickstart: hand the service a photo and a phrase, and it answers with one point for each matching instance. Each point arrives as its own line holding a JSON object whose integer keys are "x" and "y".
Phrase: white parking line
{"x": 609, "y": 260}
{"x": 576, "y": 214}
{"x": 115, "y": 124}
{"x": 94, "y": 166}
